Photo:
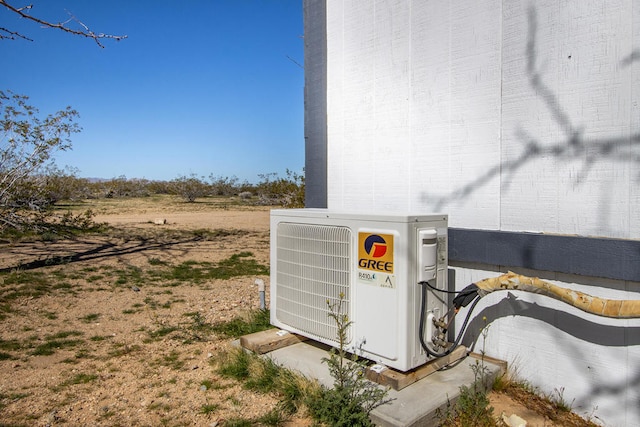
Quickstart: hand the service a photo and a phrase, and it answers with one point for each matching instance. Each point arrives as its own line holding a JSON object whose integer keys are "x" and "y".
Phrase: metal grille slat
{"x": 313, "y": 268}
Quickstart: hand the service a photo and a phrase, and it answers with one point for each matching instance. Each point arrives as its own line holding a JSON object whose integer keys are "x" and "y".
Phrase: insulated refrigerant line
{"x": 618, "y": 309}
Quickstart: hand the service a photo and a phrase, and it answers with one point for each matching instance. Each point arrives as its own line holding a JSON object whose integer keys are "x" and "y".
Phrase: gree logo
{"x": 375, "y": 252}
{"x": 375, "y": 246}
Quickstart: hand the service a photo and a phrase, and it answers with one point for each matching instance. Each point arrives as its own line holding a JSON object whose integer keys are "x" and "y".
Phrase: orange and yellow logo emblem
{"x": 375, "y": 252}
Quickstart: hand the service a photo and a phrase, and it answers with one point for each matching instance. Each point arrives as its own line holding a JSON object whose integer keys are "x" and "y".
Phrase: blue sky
{"x": 198, "y": 87}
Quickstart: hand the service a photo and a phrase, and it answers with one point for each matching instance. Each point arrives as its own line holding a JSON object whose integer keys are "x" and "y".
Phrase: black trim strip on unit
{"x": 587, "y": 256}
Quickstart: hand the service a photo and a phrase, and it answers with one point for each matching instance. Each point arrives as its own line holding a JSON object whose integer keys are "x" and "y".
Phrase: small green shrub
{"x": 472, "y": 407}
{"x": 18, "y": 284}
{"x": 275, "y": 417}
{"x": 352, "y": 397}
{"x": 209, "y": 408}
{"x": 10, "y": 345}
{"x": 160, "y": 333}
{"x": 239, "y": 264}
{"x": 255, "y": 321}
{"x": 288, "y": 192}
{"x": 264, "y": 379}
{"x": 238, "y": 422}
{"x": 50, "y": 315}
{"x": 82, "y": 223}
{"x": 77, "y": 379}
{"x": 207, "y": 384}
{"x": 172, "y": 360}
{"x": 348, "y": 403}
{"x": 121, "y": 349}
{"x": 129, "y": 275}
{"x": 56, "y": 342}
{"x": 559, "y": 401}
{"x": 265, "y": 376}
{"x": 90, "y": 318}
{"x": 83, "y": 378}
{"x": 235, "y": 364}
{"x": 293, "y": 389}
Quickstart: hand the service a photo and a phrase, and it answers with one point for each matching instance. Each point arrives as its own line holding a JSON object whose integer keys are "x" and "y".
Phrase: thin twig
{"x": 61, "y": 25}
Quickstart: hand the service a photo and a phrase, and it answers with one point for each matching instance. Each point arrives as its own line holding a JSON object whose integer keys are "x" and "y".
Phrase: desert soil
{"x": 127, "y": 355}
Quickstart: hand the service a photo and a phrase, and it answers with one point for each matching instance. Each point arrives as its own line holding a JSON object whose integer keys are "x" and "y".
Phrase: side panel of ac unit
{"x": 365, "y": 265}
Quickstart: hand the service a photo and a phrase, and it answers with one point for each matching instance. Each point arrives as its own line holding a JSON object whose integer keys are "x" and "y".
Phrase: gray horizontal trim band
{"x": 587, "y": 256}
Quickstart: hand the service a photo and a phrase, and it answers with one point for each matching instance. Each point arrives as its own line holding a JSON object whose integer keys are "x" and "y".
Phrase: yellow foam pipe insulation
{"x": 621, "y": 309}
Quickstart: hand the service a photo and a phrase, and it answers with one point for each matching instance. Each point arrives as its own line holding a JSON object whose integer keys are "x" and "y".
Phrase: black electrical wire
{"x": 421, "y": 326}
{"x": 439, "y": 290}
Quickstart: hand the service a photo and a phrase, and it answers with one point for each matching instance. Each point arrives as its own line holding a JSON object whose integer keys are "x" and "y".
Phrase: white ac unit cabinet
{"x": 373, "y": 263}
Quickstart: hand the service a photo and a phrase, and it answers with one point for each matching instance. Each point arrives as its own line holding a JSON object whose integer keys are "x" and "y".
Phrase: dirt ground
{"x": 120, "y": 351}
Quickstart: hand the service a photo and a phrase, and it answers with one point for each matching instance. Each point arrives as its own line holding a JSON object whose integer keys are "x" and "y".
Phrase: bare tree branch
{"x": 12, "y": 35}
{"x": 85, "y": 32}
{"x": 295, "y": 62}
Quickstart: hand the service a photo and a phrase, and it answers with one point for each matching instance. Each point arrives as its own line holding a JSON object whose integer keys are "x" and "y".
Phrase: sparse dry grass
{"x": 552, "y": 408}
{"x": 117, "y": 328}
{"x": 160, "y": 203}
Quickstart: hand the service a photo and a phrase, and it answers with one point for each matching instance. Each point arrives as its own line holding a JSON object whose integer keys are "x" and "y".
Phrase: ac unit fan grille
{"x": 313, "y": 268}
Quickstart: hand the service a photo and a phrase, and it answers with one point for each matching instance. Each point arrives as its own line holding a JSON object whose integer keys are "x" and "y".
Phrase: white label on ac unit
{"x": 381, "y": 280}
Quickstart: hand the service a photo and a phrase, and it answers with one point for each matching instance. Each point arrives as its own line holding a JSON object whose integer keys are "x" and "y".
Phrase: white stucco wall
{"x": 507, "y": 115}
{"x": 433, "y": 105}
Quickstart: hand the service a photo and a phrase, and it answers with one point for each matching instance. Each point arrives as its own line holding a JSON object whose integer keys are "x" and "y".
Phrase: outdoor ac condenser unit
{"x": 373, "y": 263}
